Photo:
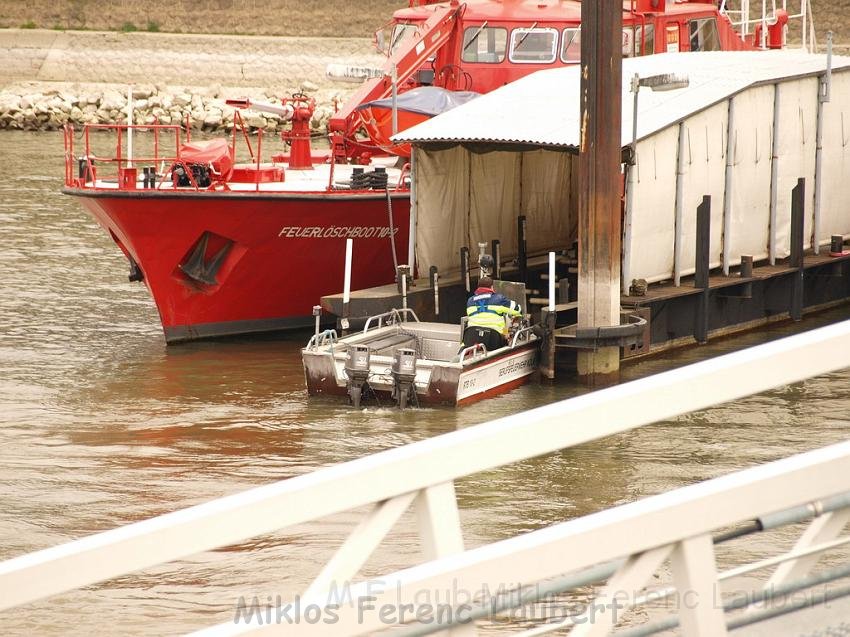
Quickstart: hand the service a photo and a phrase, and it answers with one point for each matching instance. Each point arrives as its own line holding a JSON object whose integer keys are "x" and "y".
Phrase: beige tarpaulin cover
{"x": 464, "y": 198}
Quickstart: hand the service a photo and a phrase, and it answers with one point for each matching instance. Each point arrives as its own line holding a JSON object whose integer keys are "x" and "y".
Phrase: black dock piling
{"x": 522, "y": 249}
{"x": 747, "y": 273}
{"x": 701, "y": 259}
{"x": 547, "y": 349}
{"x": 798, "y": 198}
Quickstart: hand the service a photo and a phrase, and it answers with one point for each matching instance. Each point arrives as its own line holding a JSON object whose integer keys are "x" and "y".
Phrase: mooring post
{"x": 317, "y": 314}
{"x": 403, "y": 279}
{"x": 496, "y": 251}
{"x": 464, "y": 269}
{"x": 522, "y": 249}
{"x": 701, "y": 263}
{"x": 346, "y": 290}
{"x": 434, "y": 278}
{"x": 747, "y": 273}
{"x": 798, "y": 199}
{"x": 600, "y": 153}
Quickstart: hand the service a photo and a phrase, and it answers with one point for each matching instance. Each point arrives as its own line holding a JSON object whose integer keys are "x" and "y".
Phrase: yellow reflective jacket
{"x": 487, "y": 308}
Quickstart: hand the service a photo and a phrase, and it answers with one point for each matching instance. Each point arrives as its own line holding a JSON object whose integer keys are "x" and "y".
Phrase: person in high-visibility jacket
{"x": 486, "y": 311}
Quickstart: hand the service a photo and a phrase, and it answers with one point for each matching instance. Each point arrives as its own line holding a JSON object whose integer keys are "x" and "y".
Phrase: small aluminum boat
{"x": 400, "y": 358}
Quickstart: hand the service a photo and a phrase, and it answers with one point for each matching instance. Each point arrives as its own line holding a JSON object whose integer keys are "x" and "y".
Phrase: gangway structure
{"x": 618, "y": 550}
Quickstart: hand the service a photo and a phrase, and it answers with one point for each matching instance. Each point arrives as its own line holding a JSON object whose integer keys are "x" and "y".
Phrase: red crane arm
{"x": 408, "y": 58}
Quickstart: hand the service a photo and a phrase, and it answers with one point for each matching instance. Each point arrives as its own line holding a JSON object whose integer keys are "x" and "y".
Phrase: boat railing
{"x": 404, "y": 172}
{"x": 756, "y": 26}
{"x": 121, "y": 167}
{"x": 618, "y": 550}
{"x": 393, "y": 316}
{"x": 316, "y": 341}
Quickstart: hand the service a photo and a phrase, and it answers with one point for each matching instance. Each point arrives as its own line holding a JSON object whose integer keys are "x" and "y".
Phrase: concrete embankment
{"x": 52, "y": 78}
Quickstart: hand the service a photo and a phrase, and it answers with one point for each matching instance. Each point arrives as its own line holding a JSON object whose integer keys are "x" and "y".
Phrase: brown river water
{"x": 101, "y": 424}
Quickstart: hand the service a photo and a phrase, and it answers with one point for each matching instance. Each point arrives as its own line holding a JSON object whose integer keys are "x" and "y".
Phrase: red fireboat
{"x": 232, "y": 248}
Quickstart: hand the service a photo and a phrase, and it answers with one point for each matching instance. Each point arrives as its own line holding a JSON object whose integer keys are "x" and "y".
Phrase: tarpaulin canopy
{"x": 427, "y": 100}
{"x": 214, "y": 152}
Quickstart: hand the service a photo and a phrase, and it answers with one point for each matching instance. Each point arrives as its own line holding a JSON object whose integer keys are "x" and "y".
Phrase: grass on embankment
{"x": 338, "y": 18}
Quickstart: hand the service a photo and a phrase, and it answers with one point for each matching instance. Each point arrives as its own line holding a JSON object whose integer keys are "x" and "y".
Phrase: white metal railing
{"x": 321, "y": 338}
{"x": 744, "y": 22}
{"x": 393, "y": 316}
{"x": 675, "y": 525}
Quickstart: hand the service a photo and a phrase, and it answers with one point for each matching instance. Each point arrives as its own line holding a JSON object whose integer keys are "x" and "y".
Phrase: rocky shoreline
{"x": 49, "y": 79}
{"x": 36, "y": 108}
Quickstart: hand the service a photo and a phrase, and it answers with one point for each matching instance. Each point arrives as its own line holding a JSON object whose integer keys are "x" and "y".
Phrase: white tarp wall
{"x": 703, "y": 174}
{"x": 745, "y": 228}
{"x": 835, "y": 163}
{"x": 442, "y": 207}
{"x": 653, "y": 220}
{"x": 463, "y": 198}
{"x": 798, "y": 119}
{"x": 749, "y": 144}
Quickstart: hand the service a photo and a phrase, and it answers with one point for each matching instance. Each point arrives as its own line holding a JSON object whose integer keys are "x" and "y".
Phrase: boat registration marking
{"x": 490, "y": 376}
{"x": 335, "y": 232}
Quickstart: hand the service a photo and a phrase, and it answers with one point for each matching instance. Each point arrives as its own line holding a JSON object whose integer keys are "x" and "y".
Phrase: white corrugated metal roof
{"x": 543, "y": 108}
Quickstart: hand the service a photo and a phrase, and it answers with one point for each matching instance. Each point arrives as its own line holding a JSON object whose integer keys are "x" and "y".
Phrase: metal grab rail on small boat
{"x": 523, "y": 330}
{"x": 476, "y": 350}
{"x": 318, "y": 340}
{"x": 394, "y": 313}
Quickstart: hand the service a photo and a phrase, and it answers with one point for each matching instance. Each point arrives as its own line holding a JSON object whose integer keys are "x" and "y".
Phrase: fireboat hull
{"x": 220, "y": 264}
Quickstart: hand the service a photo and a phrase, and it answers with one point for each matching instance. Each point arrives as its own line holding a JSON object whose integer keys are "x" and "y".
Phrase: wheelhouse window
{"x": 484, "y": 44}
{"x": 703, "y": 35}
{"x": 401, "y": 32}
{"x": 645, "y": 42}
{"x": 533, "y": 46}
{"x": 628, "y": 42}
{"x": 571, "y": 45}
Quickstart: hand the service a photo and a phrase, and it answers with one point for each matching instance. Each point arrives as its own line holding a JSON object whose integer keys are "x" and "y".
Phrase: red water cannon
{"x": 301, "y": 108}
{"x": 775, "y": 31}
{"x": 297, "y": 109}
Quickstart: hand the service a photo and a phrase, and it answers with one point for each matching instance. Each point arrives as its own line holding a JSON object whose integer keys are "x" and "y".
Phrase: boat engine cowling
{"x": 404, "y": 373}
{"x": 357, "y": 371}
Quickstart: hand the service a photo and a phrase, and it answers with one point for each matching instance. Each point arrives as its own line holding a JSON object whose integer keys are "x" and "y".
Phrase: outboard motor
{"x": 404, "y": 372}
{"x": 357, "y": 371}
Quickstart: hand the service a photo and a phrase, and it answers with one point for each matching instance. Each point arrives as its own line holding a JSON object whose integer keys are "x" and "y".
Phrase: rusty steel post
{"x": 599, "y": 202}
